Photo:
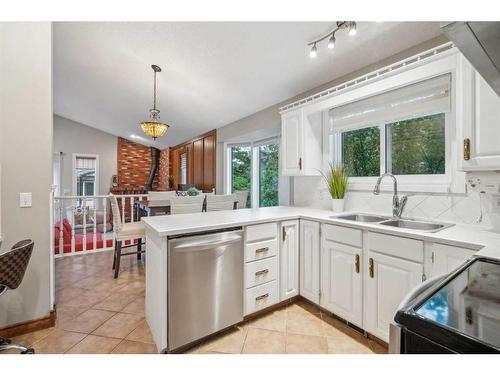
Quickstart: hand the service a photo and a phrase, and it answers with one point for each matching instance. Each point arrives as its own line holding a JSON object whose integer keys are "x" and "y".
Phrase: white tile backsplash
{"x": 461, "y": 209}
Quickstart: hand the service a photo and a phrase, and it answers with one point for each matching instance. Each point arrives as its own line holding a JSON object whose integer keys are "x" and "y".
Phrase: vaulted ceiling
{"x": 213, "y": 72}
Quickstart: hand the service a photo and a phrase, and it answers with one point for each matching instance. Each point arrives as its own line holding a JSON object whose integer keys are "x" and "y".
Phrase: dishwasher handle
{"x": 205, "y": 244}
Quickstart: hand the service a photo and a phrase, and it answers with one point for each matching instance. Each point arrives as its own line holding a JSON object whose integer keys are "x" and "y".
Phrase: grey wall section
{"x": 71, "y": 137}
{"x": 269, "y": 119}
{"x": 26, "y": 159}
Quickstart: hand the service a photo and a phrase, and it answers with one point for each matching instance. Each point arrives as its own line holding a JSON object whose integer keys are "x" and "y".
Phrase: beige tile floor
{"x": 99, "y": 314}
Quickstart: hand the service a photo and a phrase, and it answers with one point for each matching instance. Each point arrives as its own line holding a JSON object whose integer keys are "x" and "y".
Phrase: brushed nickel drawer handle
{"x": 262, "y": 297}
{"x": 260, "y": 273}
{"x": 261, "y": 250}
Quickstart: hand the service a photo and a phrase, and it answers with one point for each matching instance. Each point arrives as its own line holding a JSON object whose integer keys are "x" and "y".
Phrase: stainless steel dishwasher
{"x": 205, "y": 284}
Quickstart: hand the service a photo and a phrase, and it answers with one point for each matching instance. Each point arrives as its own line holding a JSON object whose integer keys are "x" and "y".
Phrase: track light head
{"x": 331, "y": 41}
{"x": 352, "y": 28}
{"x": 314, "y": 51}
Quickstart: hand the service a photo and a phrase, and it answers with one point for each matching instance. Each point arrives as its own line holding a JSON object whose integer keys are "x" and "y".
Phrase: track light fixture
{"x": 350, "y": 26}
{"x": 314, "y": 51}
{"x": 331, "y": 42}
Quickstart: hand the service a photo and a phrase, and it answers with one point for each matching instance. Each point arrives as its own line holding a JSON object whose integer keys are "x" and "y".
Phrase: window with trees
{"x": 254, "y": 167}
{"x": 402, "y": 132}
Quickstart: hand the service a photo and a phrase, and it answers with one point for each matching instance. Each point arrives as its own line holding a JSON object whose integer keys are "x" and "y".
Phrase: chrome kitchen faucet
{"x": 398, "y": 204}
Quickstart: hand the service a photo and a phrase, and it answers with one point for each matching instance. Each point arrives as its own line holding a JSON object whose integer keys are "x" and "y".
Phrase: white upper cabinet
{"x": 388, "y": 280}
{"x": 301, "y": 143}
{"x": 481, "y": 130}
{"x": 309, "y": 260}
{"x": 289, "y": 259}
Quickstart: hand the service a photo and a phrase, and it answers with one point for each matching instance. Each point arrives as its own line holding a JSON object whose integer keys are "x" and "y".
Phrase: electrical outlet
{"x": 25, "y": 199}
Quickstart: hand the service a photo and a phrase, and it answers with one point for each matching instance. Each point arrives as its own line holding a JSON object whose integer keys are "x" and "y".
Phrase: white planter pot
{"x": 338, "y": 205}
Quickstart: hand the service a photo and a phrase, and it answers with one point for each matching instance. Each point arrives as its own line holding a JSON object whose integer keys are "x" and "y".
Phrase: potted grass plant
{"x": 336, "y": 181}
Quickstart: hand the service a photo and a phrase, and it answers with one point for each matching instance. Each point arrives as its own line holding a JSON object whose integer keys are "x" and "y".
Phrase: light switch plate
{"x": 25, "y": 200}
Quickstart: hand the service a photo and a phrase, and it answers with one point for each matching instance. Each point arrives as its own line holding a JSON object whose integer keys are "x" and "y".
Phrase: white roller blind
{"x": 418, "y": 99}
{"x": 85, "y": 162}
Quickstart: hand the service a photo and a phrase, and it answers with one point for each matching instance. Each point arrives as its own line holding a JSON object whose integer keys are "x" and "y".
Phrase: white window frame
{"x": 73, "y": 170}
{"x": 451, "y": 62}
{"x": 421, "y": 182}
{"x": 254, "y": 175}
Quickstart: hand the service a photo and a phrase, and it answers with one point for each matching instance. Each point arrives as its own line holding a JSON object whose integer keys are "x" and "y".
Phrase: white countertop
{"x": 469, "y": 236}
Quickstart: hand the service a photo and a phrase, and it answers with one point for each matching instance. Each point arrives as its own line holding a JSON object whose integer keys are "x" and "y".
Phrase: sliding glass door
{"x": 241, "y": 170}
{"x": 254, "y": 167}
{"x": 268, "y": 175}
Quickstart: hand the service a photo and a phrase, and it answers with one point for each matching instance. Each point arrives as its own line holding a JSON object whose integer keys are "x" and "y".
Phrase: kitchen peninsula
{"x": 282, "y": 250}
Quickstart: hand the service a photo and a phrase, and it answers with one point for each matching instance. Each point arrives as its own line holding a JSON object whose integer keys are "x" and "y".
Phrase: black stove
{"x": 461, "y": 314}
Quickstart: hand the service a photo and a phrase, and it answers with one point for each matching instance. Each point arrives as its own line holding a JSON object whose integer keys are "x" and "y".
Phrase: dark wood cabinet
{"x": 201, "y": 161}
{"x": 209, "y": 162}
{"x": 198, "y": 162}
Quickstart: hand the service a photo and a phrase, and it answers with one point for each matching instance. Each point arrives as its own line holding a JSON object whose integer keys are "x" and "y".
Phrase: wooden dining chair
{"x": 125, "y": 232}
{"x": 220, "y": 202}
{"x": 186, "y": 205}
{"x": 241, "y": 198}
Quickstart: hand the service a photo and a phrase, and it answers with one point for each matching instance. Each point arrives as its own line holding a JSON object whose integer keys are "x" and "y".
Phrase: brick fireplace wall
{"x": 163, "y": 169}
{"x": 134, "y": 165}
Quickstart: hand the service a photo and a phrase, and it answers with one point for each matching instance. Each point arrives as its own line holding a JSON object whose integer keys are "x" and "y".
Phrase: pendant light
{"x": 154, "y": 128}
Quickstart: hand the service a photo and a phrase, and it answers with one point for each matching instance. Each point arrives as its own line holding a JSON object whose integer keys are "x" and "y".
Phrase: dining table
{"x": 160, "y": 207}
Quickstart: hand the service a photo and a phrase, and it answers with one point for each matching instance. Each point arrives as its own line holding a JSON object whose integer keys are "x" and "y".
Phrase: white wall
{"x": 26, "y": 159}
{"x": 71, "y": 137}
{"x": 269, "y": 119}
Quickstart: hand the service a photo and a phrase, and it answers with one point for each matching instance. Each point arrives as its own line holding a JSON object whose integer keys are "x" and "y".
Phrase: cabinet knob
{"x": 300, "y": 163}
{"x": 371, "y": 272}
{"x": 356, "y": 263}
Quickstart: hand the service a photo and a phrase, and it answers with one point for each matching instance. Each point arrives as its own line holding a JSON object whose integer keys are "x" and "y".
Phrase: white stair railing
{"x": 88, "y": 216}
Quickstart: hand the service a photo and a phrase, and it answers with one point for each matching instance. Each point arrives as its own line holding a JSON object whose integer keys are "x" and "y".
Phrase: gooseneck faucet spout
{"x": 398, "y": 204}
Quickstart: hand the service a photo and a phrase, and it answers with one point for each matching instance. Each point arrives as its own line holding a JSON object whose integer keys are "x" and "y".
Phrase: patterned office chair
{"x": 13, "y": 266}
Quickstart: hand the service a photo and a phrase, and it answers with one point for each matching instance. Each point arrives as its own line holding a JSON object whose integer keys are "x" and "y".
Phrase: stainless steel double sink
{"x": 418, "y": 225}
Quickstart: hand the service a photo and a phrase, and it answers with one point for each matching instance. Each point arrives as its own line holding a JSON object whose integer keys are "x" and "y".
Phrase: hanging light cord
{"x": 154, "y": 91}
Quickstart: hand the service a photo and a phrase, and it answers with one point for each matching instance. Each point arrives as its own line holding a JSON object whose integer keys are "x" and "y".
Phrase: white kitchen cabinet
{"x": 289, "y": 259}
{"x": 309, "y": 260}
{"x": 341, "y": 281}
{"x": 387, "y": 281}
{"x": 482, "y": 127}
{"x": 442, "y": 259}
{"x": 301, "y": 143}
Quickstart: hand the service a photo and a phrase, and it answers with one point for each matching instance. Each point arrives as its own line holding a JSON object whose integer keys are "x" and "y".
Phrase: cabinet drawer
{"x": 400, "y": 247}
{"x": 260, "y": 297}
{"x": 345, "y": 235}
{"x": 261, "y": 250}
{"x": 261, "y": 232}
{"x": 261, "y": 271}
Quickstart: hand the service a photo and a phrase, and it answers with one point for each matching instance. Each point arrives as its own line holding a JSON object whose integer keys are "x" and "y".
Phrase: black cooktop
{"x": 463, "y": 313}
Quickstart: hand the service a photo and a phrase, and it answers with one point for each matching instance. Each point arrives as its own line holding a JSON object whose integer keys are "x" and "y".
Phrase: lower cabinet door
{"x": 341, "y": 281}
{"x": 444, "y": 259}
{"x": 309, "y": 260}
{"x": 289, "y": 259}
{"x": 387, "y": 281}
